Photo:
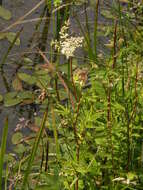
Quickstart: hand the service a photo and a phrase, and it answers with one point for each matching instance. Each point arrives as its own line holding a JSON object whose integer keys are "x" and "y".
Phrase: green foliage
{"x": 2, "y": 151}
{"x": 90, "y": 137}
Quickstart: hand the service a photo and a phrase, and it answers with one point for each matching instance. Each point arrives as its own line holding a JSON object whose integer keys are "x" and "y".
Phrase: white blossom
{"x": 67, "y": 44}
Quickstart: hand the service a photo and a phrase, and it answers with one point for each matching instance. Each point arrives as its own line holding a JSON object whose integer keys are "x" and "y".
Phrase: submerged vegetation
{"x": 83, "y": 85}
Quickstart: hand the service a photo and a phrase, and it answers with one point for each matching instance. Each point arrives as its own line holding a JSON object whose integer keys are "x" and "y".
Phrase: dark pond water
{"x": 18, "y": 8}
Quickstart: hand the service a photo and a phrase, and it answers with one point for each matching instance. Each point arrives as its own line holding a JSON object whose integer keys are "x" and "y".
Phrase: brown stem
{"x": 74, "y": 88}
{"x": 67, "y": 89}
{"x": 114, "y": 47}
{"x": 77, "y": 158}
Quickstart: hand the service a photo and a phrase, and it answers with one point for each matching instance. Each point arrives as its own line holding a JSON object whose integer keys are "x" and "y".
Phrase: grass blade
{"x": 34, "y": 150}
{"x": 95, "y": 28}
{"x": 3, "y": 149}
{"x": 10, "y": 48}
{"x": 55, "y": 131}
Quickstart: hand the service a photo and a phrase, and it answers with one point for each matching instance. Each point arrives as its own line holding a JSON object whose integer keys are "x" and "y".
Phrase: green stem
{"x": 2, "y": 151}
{"x": 10, "y": 48}
{"x": 95, "y": 28}
{"x": 34, "y": 149}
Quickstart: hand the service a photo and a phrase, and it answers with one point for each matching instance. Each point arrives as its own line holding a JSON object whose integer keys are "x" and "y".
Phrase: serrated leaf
{"x": 118, "y": 106}
{"x": 99, "y": 89}
{"x": 4, "y": 13}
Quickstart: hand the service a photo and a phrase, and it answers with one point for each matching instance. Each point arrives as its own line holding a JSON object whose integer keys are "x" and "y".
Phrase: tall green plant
{"x": 3, "y": 150}
{"x": 34, "y": 150}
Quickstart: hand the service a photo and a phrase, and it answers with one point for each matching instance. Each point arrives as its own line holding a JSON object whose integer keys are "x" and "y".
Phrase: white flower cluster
{"x": 67, "y": 44}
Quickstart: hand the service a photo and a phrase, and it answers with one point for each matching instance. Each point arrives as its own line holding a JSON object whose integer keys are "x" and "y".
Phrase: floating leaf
{"x": 10, "y": 36}
{"x": 17, "y": 85}
{"x": 10, "y": 99}
{"x": 11, "y": 102}
{"x": 16, "y": 138}
{"x": 2, "y": 36}
{"x": 27, "y": 78}
{"x": 14, "y": 98}
{"x": 10, "y": 95}
{"x": 25, "y": 95}
{"x": 4, "y": 13}
{"x": 20, "y": 148}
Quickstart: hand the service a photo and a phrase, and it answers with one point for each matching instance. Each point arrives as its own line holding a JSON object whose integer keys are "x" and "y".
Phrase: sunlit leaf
{"x": 10, "y": 36}
{"x": 4, "y": 13}
{"x": 27, "y": 60}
